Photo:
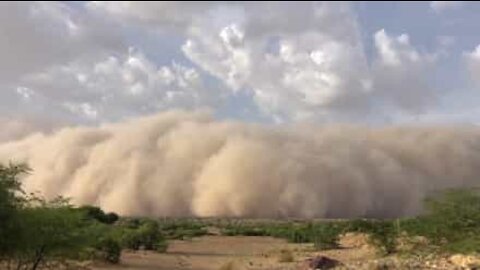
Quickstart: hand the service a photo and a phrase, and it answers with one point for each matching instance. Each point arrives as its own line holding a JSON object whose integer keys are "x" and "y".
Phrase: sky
{"x": 88, "y": 63}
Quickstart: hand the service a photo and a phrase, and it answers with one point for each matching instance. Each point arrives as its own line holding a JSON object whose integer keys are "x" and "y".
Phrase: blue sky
{"x": 363, "y": 62}
{"x": 428, "y": 28}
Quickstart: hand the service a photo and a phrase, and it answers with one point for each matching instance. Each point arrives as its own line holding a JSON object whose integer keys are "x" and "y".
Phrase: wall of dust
{"x": 189, "y": 164}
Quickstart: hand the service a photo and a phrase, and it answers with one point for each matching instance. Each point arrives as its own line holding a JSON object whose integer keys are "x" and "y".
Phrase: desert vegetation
{"x": 35, "y": 233}
{"x": 450, "y": 223}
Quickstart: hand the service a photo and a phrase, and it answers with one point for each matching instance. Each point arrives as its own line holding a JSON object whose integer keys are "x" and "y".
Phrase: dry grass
{"x": 228, "y": 266}
{"x": 285, "y": 255}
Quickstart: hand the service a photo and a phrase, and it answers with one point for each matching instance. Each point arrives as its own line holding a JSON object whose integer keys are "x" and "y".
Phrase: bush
{"x": 325, "y": 235}
{"x": 108, "y": 250}
{"x": 465, "y": 246}
{"x": 161, "y": 246}
{"x": 146, "y": 234}
{"x": 110, "y": 218}
{"x": 130, "y": 239}
{"x": 149, "y": 234}
{"x": 382, "y": 233}
{"x": 452, "y": 214}
{"x": 95, "y": 213}
{"x": 182, "y": 229}
{"x": 451, "y": 221}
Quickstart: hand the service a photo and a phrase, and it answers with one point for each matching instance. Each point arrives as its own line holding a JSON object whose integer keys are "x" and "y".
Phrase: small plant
{"x": 326, "y": 236}
{"x": 130, "y": 239}
{"x": 145, "y": 235}
{"x": 108, "y": 250}
{"x": 182, "y": 229}
{"x": 161, "y": 246}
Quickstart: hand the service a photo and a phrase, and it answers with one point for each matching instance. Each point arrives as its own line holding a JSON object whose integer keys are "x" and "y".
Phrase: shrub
{"x": 95, "y": 213}
{"x": 161, "y": 246}
{"x": 451, "y": 221}
{"x": 149, "y": 234}
{"x": 110, "y": 218}
{"x": 325, "y": 236}
{"x": 130, "y": 239}
{"x": 465, "y": 246}
{"x": 132, "y": 223}
{"x": 182, "y": 229}
{"x": 452, "y": 214}
{"x": 382, "y": 233}
{"x": 146, "y": 235}
{"x": 108, "y": 250}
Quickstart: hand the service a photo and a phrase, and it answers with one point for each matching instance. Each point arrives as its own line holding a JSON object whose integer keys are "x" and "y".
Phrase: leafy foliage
{"x": 138, "y": 234}
{"x": 10, "y": 201}
{"x": 181, "y": 229}
{"x": 324, "y": 235}
{"x": 50, "y": 231}
{"x": 96, "y": 213}
{"x": 383, "y": 233}
{"x": 34, "y": 231}
{"x": 107, "y": 249}
{"x": 451, "y": 221}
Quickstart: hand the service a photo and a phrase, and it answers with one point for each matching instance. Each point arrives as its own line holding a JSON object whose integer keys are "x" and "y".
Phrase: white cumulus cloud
{"x": 119, "y": 86}
{"x": 473, "y": 64}
{"x": 440, "y": 6}
{"x": 401, "y": 72}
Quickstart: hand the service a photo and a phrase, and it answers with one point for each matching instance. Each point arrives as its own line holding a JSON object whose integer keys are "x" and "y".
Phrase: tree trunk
{"x": 19, "y": 264}
{"x": 38, "y": 258}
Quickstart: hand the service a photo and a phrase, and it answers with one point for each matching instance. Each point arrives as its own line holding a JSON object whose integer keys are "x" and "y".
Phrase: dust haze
{"x": 189, "y": 164}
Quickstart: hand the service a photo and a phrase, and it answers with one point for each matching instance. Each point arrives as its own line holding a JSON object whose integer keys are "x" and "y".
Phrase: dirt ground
{"x": 240, "y": 252}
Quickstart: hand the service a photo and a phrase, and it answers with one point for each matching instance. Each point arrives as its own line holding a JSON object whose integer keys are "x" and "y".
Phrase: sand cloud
{"x": 188, "y": 164}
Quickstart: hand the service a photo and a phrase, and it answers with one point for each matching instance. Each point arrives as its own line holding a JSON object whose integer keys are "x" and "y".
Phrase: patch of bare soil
{"x": 238, "y": 252}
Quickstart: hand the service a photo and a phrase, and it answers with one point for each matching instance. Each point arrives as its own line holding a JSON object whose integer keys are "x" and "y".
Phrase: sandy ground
{"x": 244, "y": 252}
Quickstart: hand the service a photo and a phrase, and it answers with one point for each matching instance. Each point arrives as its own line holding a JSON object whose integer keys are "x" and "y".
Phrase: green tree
{"x": 107, "y": 249}
{"x": 98, "y": 214}
{"x": 49, "y": 231}
{"x": 36, "y": 232}
{"x": 11, "y": 200}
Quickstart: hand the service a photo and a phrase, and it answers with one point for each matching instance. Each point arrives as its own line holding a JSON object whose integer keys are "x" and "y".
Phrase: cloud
{"x": 188, "y": 164}
{"x": 167, "y": 14}
{"x": 300, "y": 70}
{"x": 473, "y": 64}
{"x": 40, "y": 36}
{"x": 295, "y": 71}
{"x": 293, "y": 62}
{"x": 401, "y": 73}
{"x": 35, "y": 35}
{"x": 315, "y": 68}
{"x": 120, "y": 86}
{"x": 440, "y": 6}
